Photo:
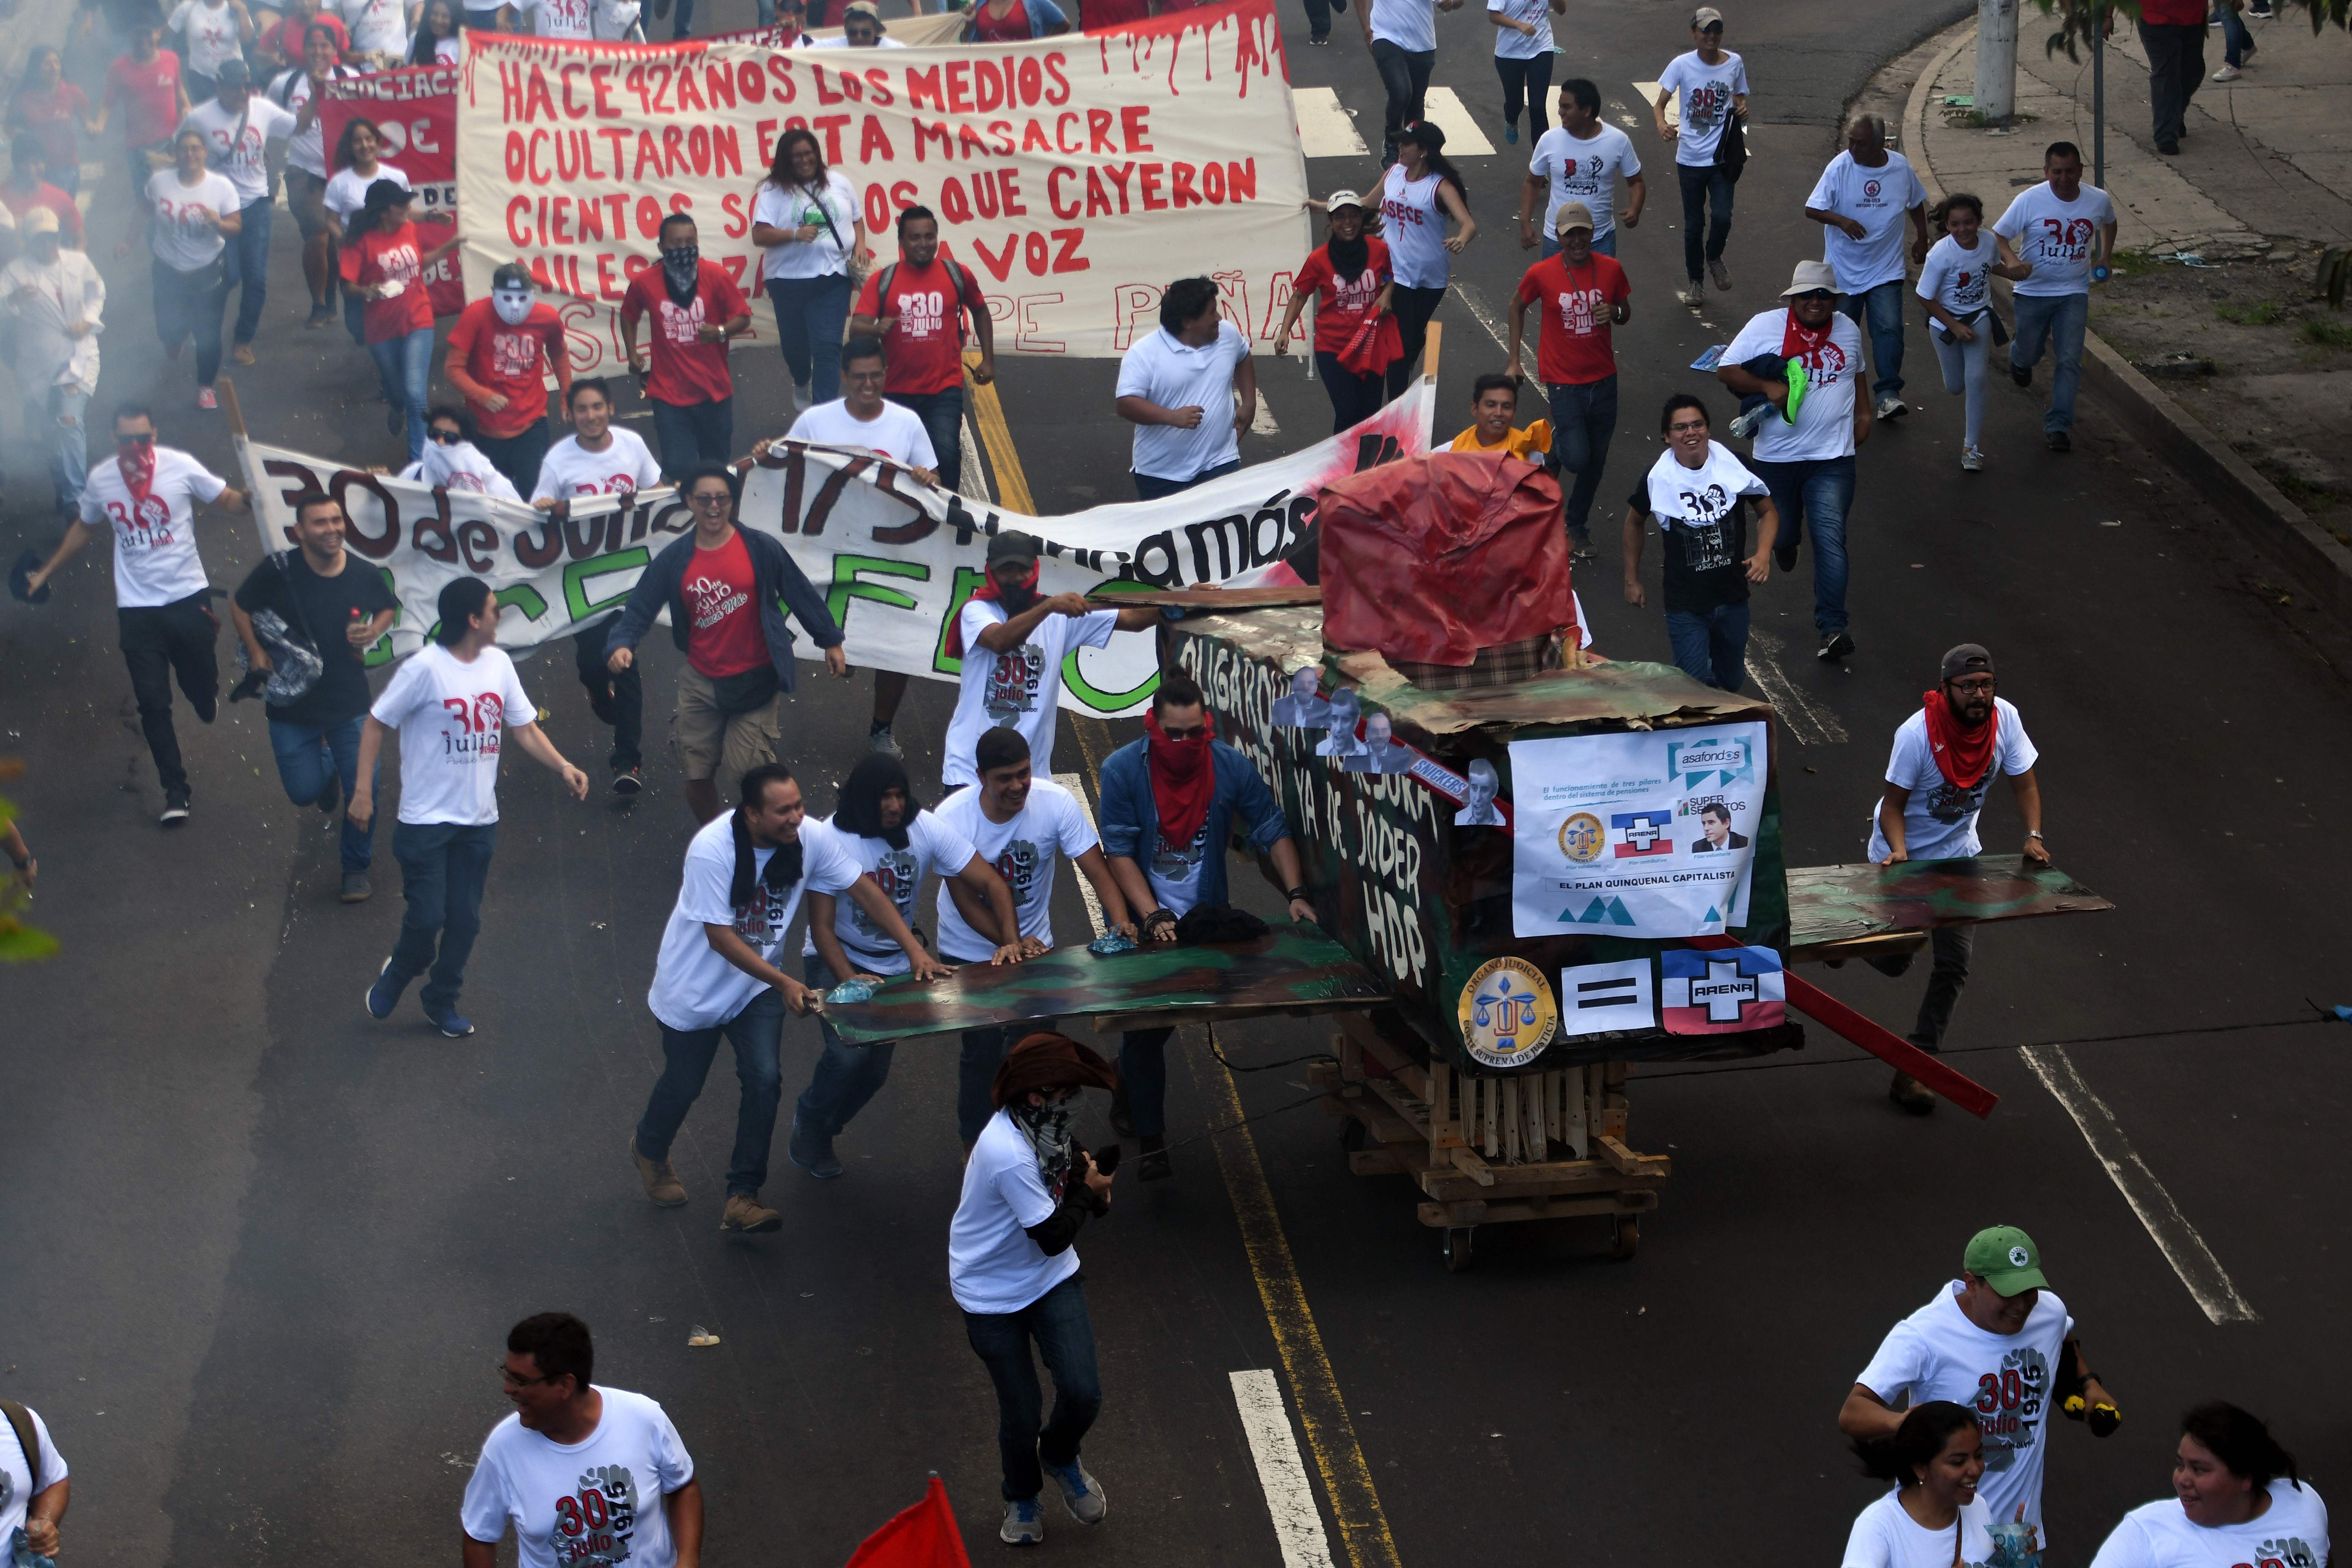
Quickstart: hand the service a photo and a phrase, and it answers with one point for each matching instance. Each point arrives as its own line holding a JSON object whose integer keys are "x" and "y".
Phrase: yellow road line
{"x": 1314, "y": 1387}
{"x": 1003, "y": 461}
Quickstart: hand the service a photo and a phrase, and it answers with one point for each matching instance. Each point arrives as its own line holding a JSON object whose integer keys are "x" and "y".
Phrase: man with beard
{"x": 1944, "y": 759}
{"x": 696, "y": 308}
{"x": 1303, "y": 710}
{"x": 896, "y": 843}
{"x": 1169, "y": 804}
{"x": 1028, "y": 1189}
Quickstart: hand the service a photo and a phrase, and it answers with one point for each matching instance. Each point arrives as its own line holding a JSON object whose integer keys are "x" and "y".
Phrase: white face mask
{"x": 513, "y": 305}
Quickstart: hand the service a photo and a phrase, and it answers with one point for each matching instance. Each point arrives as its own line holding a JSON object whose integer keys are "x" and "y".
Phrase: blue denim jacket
{"x": 1130, "y": 821}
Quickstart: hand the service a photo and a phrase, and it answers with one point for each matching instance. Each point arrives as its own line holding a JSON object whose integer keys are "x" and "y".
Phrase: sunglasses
{"x": 1814, "y": 294}
{"x": 147, "y": 441}
{"x": 1187, "y": 733}
{"x": 447, "y": 438}
{"x": 710, "y": 497}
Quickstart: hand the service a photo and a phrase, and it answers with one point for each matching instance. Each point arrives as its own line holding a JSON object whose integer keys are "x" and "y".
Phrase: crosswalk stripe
{"x": 1442, "y": 107}
{"x": 1326, "y": 130}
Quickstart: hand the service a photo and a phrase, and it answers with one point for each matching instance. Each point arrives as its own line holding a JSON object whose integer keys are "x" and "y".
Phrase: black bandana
{"x": 1048, "y": 1128}
{"x": 1349, "y": 257}
{"x": 860, "y": 811}
{"x": 783, "y": 868}
{"x": 682, "y": 272}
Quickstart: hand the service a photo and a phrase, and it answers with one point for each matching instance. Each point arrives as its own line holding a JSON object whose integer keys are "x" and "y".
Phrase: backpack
{"x": 20, "y": 1420}
{"x": 967, "y": 299}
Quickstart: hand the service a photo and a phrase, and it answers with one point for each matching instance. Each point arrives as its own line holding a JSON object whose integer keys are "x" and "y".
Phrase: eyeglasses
{"x": 703, "y": 498}
{"x": 446, "y": 436}
{"x": 1975, "y": 685}
{"x": 1685, "y": 426}
{"x": 507, "y": 1376}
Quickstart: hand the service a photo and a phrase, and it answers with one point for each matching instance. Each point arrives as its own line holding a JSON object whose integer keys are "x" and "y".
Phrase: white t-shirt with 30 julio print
{"x": 245, "y": 165}
{"x": 180, "y": 234}
{"x": 212, "y": 36}
{"x": 2006, "y": 1379}
{"x": 1939, "y": 819}
{"x": 1021, "y": 850}
{"x": 1020, "y": 688}
{"x": 571, "y": 471}
{"x": 347, "y": 189}
{"x": 931, "y": 846}
{"x": 1957, "y": 278}
{"x": 1884, "y": 1536}
{"x": 2059, "y": 238}
{"x": 2290, "y": 1533}
{"x": 1510, "y": 43}
{"x": 560, "y": 19}
{"x": 1584, "y": 170}
{"x": 598, "y": 1500}
{"x": 694, "y": 987}
{"x": 453, "y": 715}
{"x": 1824, "y": 426}
{"x": 1704, "y": 93}
{"x": 896, "y": 432}
{"x": 155, "y": 559}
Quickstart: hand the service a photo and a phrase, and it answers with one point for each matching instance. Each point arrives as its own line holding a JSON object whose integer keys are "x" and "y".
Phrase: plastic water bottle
{"x": 2012, "y": 1545}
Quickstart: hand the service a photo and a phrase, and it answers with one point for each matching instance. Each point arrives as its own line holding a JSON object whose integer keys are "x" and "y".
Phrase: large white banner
{"x": 1648, "y": 835}
{"x": 895, "y": 558}
{"x": 1075, "y": 176}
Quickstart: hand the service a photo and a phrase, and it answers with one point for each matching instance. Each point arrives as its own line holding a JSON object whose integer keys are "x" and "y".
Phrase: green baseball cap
{"x": 2005, "y": 1258}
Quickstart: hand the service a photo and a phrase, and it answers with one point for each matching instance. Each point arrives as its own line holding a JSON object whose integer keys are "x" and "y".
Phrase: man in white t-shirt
{"x": 239, "y": 124}
{"x": 1805, "y": 361}
{"x": 582, "y": 1474}
{"x": 1581, "y": 160}
{"x": 148, "y": 497}
{"x": 1860, "y": 202}
{"x": 1178, "y": 386}
{"x": 1999, "y": 1341}
{"x": 1029, "y": 1187}
{"x": 1013, "y": 641}
{"x": 862, "y": 418}
{"x": 1016, "y": 822}
{"x": 34, "y": 1486}
{"x": 1944, "y": 761}
{"x": 454, "y": 703}
{"x": 2064, "y": 231}
{"x": 880, "y": 824}
{"x": 718, "y": 976}
{"x": 1709, "y": 84}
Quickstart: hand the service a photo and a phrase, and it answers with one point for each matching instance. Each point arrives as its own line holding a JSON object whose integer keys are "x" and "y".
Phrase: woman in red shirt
{"x": 57, "y": 112}
{"x": 1349, "y": 278}
{"x": 384, "y": 263}
{"x": 1013, "y": 22}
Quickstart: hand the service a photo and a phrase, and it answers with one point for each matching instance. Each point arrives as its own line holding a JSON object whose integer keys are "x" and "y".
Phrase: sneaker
{"x": 801, "y": 399}
{"x": 1695, "y": 296}
{"x": 331, "y": 796}
{"x": 627, "y": 781}
{"x": 812, "y": 1151}
{"x": 1911, "y": 1094}
{"x": 1745, "y": 425}
{"x": 1081, "y": 1493}
{"x": 206, "y": 398}
{"x": 746, "y": 1215}
{"x": 241, "y": 354}
{"x": 2170, "y": 149}
{"x": 1720, "y": 273}
{"x": 357, "y": 889}
{"x": 1024, "y": 1524}
{"x": 1889, "y": 407}
{"x": 384, "y": 995}
{"x": 1152, "y": 1160}
{"x": 883, "y": 741}
{"x": 1971, "y": 460}
{"x": 1319, "y": 41}
{"x": 661, "y": 1183}
{"x": 453, "y": 1024}
{"x": 2020, "y": 373}
{"x": 175, "y": 808}
{"x": 2059, "y": 441}
{"x": 319, "y": 317}
{"x": 2227, "y": 73}
{"x": 1581, "y": 550}
{"x": 1511, "y": 135}
{"x": 1834, "y": 647}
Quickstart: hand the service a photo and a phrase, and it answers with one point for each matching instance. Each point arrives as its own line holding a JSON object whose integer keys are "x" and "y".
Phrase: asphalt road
{"x": 259, "y": 1251}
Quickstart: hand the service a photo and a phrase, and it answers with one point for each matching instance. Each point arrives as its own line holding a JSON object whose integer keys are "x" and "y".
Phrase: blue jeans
{"x": 1143, "y": 1075}
{"x": 1603, "y": 245}
{"x": 518, "y": 457}
{"x": 690, "y": 434}
{"x": 846, "y": 1076}
{"x": 1057, "y": 1320}
{"x": 404, "y": 364}
{"x": 1711, "y": 646}
{"x": 1704, "y": 186}
{"x": 311, "y": 754}
{"x": 1882, "y": 308}
{"x": 1583, "y": 422}
{"x": 53, "y": 417}
{"x": 188, "y": 305}
{"x": 443, "y": 868}
{"x": 1151, "y": 486}
{"x": 2237, "y": 43}
{"x": 1814, "y": 493}
{"x": 1354, "y": 398}
{"x": 942, "y": 413}
{"x": 2060, "y": 321}
{"x": 249, "y": 267}
{"x": 756, "y": 1033}
{"x": 810, "y": 314}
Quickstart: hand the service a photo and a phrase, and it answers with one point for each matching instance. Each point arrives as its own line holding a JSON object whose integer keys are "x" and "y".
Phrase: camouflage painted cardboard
{"x": 1841, "y": 903}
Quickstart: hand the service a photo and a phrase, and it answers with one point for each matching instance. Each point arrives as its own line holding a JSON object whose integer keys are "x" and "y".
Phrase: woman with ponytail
{"x": 2236, "y": 1499}
{"x": 1933, "y": 1518}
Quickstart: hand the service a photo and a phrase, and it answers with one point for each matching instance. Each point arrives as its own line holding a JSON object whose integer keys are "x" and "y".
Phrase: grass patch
{"x": 2335, "y": 334}
{"x": 2125, "y": 263}
{"x": 2260, "y": 314}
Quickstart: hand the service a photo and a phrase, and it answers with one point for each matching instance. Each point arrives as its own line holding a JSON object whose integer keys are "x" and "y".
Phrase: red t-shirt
{"x": 925, "y": 348}
{"x": 685, "y": 370}
{"x": 1009, "y": 28}
{"x": 1573, "y": 347}
{"x": 295, "y": 31}
{"x": 376, "y": 256}
{"x": 722, "y": 634}
{"x": 44, "y": 194}
{"x": 509, "y": 361}
{"x": 56, "y": 116}
{"x": 1341, "y": 308}
{"x": 1099, "y": 13}
{"x": 152, "y": 89}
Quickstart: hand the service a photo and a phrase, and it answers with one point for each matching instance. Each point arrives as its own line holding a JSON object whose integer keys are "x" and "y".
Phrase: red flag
{"x": 924, "y": 1536}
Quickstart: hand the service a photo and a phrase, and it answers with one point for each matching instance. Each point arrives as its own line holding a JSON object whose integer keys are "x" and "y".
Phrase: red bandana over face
{"x": 1962, "y": 754}
{"x": 991, "y": 590}
{"x": 1184, "y": 779}
{"x": 138, "y": 465}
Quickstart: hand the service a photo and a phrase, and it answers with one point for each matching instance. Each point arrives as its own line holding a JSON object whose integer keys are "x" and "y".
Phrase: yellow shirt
{"x": 1528, "y": 445}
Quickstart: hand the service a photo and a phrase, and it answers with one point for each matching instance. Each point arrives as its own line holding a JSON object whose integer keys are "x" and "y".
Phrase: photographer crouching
{"x": 1028, "y": 1190}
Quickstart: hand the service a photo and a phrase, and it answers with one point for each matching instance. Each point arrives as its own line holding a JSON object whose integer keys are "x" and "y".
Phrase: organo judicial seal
{"x": 1507, "y": 1013}
{"x": 1581, "y": 839}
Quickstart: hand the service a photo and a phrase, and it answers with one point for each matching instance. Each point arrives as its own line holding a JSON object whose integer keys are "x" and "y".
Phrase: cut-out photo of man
{"x": 1303, "y": 709}
{"x": 1715, "y": 826}
{"x": 1479, "y": 811}
{"x": 1342, "y": 742}
{"x": 1379, "y": 752}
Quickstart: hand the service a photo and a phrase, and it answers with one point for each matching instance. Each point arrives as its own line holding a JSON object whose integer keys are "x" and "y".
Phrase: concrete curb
{"x": 2236, "y": 491}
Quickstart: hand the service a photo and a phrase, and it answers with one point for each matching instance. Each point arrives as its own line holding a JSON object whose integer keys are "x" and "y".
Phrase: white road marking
{"x": 1462, "y": 137}
{"x": 1298, "y": 1522}
{"x": 1809, "y": 722}
{"x": 1326, "y": 130}
{"x": 2192, "y": 1259}
{"x": 1076, "y": 784}
{"x": 1475, "y": 304}
{"x": 975, "y": 472}
{"x": 1261, "y": 421}
{"x": 1647, "y": 91}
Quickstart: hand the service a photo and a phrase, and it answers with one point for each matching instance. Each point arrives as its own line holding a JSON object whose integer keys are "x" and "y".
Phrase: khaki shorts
{"x": 720, "y": 747}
